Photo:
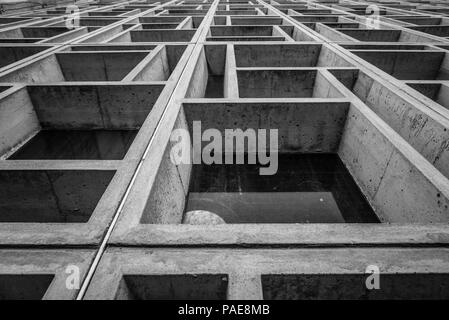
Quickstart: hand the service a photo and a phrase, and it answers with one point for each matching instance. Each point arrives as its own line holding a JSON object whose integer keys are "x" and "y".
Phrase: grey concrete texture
{"x": 376, "y": 98}
{"x": 206, "y": 273}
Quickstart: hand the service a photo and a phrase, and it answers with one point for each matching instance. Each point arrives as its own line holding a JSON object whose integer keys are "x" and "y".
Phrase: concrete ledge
{"x": 175, "y": 266}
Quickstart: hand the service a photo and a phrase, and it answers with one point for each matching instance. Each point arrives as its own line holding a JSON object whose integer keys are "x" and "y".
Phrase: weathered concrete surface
{"x": 11, "y": 54}
{"x": 94, "y": 105}
{"x": 176, "y": 287}
{"x": 51, "y": 196}
{"x": 276, "y": 83}
{"x": 178, "y": 265}
{"x": 425, "y": 130}
{"x": 391, "y": 138}
{"x": 405, "y": 65}
{"x": 45, "y": 69}
{"x": 302, "y": 126}
{"x": 109, "y": 66}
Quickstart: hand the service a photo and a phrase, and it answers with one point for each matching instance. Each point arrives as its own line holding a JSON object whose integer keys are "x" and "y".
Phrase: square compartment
{"x": 284, "y": 84}
{"x": 51, "y": 196}
{"x": 307, "y": 188}
{"x": 76, "y": 145}
{"x": 286, "y": 55}
{"x": 24, "y": 287}
{"x": 73, "y": 122}
{"x": 173, "y": 287}
{"x": 439, "y": 31}
{"x": 414, "y": 286}
{"x": 435, "y": 91}
{"x": 101, "y": 63}
{"x": 11, "y": 54}
{"x": 309, "y": 185}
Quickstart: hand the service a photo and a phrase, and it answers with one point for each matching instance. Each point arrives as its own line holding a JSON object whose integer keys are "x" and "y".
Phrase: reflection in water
{"x": 77, "y": 144}
{"x": 308, "y": 188}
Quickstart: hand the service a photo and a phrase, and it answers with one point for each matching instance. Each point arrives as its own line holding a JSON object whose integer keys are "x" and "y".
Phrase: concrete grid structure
{"x": 86, "y": 179}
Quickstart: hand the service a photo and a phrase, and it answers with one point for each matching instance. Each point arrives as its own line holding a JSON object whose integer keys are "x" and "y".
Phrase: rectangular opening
{"x": 388, "y": 184}
{"x": 24, "y": 286}
{"x": 310, "y": 183}
{"x": 277, "y": 56}
{"x": 244, "y": 33}
{"x": 91, "y": 107}
{"x": 162, "y": 35}
{"x": 11, "y": 54}
{"x": 404, "y": 286}
{"x": 43, "y": 32}
{"x": 76, "y": 145}
{"x": 51, "y": 196}
{"x": 73, "y": 122}
{"x": 307, "y": 188}
{"x": 287, "y": 55}
{"x": 439, "y": 31}
{"x": 208, "y": 79}
{"x": 173, "y": 287}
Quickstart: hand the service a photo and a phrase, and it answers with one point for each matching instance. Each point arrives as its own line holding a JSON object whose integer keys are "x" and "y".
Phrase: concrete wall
{"x": 18, "y": 120}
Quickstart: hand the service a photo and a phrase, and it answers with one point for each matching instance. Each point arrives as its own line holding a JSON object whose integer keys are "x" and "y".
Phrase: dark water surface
{"x": 308, "y": 188}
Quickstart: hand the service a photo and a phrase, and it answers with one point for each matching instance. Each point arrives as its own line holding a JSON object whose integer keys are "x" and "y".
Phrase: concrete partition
{"x": 136, "y": 273}
{"x": 423, "y": 129}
